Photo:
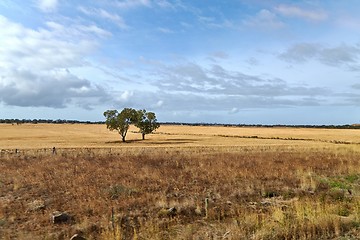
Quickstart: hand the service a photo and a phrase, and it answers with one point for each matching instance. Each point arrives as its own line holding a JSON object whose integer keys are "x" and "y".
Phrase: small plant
{"x": 338, "y": 184}
{"x": 2, "y": 222}
{"x": 337, "y": 194}
{"x": 352, "y": 178}
{"x": 270, "y": 194}
{"x": 344, "y": 210}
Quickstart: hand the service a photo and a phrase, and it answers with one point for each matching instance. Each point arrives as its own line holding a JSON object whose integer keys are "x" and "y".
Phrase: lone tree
{"x": 146, "y": 122}
{"x": 120, "y": 121}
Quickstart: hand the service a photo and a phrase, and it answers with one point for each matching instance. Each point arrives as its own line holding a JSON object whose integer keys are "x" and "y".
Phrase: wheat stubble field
{"x": 184, "y": 182}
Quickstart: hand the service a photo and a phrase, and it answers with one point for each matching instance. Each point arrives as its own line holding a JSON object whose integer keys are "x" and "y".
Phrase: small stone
{"x": 198, "y": 211}
{"x": 284, "y": 207}
{"x": 266, "y": 203}
{"x": 167, "y": 212}
{"x": 77, "y": 237}
{"x": 60, "y": 217}
{"x": 172, "y": 211}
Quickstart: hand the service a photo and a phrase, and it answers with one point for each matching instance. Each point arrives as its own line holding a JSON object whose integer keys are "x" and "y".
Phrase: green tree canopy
{"x": 146, "y": 122}
{"x": 120, "y": 121}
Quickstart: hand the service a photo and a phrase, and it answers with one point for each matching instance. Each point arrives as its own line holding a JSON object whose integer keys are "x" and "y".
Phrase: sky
{"x": 203, "y": 61}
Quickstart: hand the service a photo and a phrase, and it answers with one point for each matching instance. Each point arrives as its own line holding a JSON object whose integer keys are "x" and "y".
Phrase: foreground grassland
{"x": 181, "y": 183}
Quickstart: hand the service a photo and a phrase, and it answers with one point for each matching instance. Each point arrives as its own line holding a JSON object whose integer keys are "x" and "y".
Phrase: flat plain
{"x": 183, "y": 182}
{"x": 36, "y": 136}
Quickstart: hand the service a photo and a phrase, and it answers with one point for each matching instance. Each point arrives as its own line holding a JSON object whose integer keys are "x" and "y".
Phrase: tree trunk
{"x": 143, "y": 136}
{"x": 123, "y": 138}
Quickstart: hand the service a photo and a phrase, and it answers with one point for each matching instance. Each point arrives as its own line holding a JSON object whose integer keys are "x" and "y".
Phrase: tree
{"x": 146, "y": 122}
{"x": 120, "y": 121}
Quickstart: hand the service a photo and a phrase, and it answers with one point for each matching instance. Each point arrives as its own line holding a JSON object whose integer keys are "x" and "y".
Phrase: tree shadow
{"x": 171, "y": 142}
{"x": 156, "y": 142}
{"x": 127, "y": 141}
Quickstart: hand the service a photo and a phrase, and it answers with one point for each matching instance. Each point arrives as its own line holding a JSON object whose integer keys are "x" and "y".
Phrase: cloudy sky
{"x": 215, "y": 61}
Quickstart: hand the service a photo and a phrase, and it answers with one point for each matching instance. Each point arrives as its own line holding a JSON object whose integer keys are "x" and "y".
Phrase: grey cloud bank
{"x": 333, "y": 56}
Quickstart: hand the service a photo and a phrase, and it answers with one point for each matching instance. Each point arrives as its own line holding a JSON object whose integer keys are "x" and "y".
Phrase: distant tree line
{"x": 346, "y": 126}
{"x": 57, "y": 121}
{"x": 64, "y": 121}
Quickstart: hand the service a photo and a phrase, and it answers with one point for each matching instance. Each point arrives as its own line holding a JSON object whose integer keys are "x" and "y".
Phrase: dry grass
{"x": 36, "y": 136}
{"x": 236, "y": 188}
{"x": 351, "y": 135}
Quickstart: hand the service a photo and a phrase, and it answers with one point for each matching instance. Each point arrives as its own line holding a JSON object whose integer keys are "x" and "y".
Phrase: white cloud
{"x": 301, "y": 52}
{"x": 294, "y": 11}
{"x": 333, "y": 56}
{"x": 343, "y": 54}
{"x": 252, "y": 61}
{"x": 190, "y": 85}
{"x": 132, "y": 3}
{"x": 220, "y": 55}
{"x": 165, "y": 30}
{"x": 47, "y": 5}
{"x": 34, "y": 63}
{"x": 214, "y": 22}
{"x": 264, "y": 19}
{"x": 126, "y": 96}
{"x": 25, "y": 48}
{"x": 234, "y": 110}
{"x": 53, "y": 89}
{"x": 164, "y": 4}
{"x": 74, "y": 31}
{"x": 159, "y": 103}
{"x": 94, "y": 30}
{"x": 186, "y": 25}
{"x": 116, "y": 19}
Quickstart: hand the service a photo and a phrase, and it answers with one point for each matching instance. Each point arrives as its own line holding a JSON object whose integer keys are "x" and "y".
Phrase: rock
{"x": 172, "y": 211}
{"x": 198, "y": 211}
{"x": 77, "y": 237}
{"x": 169, "y": 212}
{"x": 60, "y": 217}
{"x": 266, "y": 203}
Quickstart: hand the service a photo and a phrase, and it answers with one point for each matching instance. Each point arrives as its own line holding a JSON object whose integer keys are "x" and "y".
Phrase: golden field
{"x": 36, "y": 136}
{"x": 183, "y": 182}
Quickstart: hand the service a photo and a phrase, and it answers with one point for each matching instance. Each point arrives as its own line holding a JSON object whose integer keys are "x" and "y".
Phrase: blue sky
{"x": 234, "y": 61}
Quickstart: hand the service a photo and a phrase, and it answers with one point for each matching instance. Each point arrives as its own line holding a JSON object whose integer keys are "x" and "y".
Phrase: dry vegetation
{"x": 182, "y": 183}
